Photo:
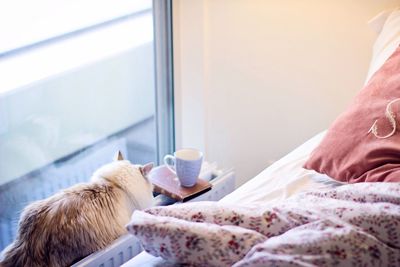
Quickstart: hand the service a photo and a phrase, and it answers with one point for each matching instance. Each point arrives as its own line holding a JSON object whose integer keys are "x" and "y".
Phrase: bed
{"x": 311, "y": 218}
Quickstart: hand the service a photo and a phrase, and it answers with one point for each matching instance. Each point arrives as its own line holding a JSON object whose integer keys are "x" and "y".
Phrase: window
{"x": 80, "y": 80}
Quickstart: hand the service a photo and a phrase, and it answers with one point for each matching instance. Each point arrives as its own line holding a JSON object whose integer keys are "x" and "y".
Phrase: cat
{"x": 66, "y": 227}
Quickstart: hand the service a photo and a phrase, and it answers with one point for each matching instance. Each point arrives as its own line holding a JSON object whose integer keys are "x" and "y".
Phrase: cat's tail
{"x": 15, "y": 255}
{"x": 28, "y": 247}
{"x": 11, "y": 257}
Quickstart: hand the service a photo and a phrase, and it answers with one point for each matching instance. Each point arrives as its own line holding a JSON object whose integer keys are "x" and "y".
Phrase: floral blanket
{"x": 351, "y": 225}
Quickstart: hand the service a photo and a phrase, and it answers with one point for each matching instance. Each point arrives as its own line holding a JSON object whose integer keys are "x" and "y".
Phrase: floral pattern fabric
{"x": 351, "y": 225}
{"x": 197, "y": 244}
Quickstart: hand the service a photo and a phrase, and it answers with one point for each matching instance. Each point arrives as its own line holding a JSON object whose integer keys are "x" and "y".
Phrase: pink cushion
{"x": 350, "y": 152}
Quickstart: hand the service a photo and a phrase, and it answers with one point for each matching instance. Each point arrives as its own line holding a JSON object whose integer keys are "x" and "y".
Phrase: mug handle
{"x": 171, "y": 158}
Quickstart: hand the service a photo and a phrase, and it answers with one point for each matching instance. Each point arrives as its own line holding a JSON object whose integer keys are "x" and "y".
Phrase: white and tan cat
{"x": 82, "y": 219}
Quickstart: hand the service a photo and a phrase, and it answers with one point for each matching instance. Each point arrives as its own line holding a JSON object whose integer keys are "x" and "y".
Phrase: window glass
{"x": 24, "y": 23}
{"x": 68, "y": 105}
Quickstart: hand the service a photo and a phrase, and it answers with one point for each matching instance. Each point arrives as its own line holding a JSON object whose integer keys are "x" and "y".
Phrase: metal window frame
{"x": 164, "y": 82}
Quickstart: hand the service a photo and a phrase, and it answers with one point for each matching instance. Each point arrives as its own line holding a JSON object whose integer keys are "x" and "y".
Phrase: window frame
{"x": 164, "y": 77}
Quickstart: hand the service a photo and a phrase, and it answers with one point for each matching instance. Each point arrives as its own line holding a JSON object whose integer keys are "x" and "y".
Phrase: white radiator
{"x": 126, "y": 247}
{"x": 123, "y": 249}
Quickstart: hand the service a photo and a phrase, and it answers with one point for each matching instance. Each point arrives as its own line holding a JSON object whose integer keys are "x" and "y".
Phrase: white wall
{"x": 254, "y": 79}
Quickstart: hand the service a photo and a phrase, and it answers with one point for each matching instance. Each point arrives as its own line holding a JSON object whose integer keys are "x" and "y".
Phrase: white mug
{"x": 186, "y": 164}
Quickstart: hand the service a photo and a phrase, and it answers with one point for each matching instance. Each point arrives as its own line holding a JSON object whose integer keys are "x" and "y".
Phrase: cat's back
{"x": 83, "y": 218}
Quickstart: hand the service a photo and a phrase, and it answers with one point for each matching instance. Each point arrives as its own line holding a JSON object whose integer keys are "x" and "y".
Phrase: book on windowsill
{"x": 167, "y": 183}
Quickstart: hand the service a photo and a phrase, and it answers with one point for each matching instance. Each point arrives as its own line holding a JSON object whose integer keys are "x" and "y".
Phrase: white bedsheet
{"x": 279, "y": 181}
{"x": 283, "y": 178}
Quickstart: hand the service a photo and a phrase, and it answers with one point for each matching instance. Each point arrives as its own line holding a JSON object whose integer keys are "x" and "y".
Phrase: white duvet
{"x": 351, "y": 225}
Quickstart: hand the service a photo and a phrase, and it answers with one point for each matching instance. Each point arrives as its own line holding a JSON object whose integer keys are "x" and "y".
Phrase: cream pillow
{"x": 377, "y": 22}
{"x": 387, "y": 25}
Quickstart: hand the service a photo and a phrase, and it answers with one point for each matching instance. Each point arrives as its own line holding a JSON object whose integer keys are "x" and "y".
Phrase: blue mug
{"x": 186, "y": 164}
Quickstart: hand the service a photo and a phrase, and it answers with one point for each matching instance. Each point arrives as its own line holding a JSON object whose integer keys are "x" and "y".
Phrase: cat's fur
{"x": 75, "y": 222}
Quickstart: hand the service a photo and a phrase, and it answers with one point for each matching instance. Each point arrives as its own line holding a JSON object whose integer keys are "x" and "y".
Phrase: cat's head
{"x": 131, "y": 178}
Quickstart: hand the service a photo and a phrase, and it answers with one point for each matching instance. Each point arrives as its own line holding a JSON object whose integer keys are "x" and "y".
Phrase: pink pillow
{"x": 351, "y": 151}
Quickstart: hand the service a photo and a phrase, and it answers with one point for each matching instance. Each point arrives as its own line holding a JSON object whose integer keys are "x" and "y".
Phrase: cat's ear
{"x": 118, "y": 156}
{"x": 145, "y": 169}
